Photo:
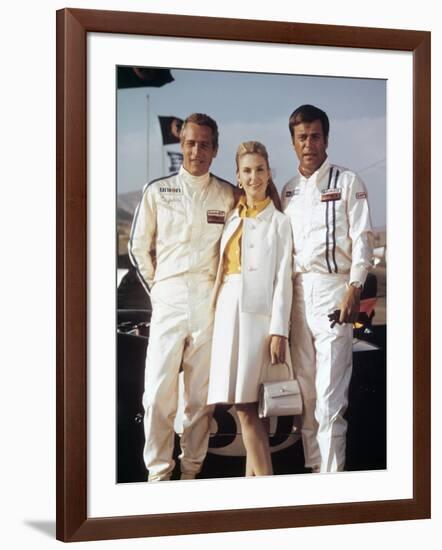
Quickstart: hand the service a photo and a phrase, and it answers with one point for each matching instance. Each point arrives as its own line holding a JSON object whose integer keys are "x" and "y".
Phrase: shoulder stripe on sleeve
{"x": 327, "y": 230}
{"x": 134, "y": 223}
{"x": 158, "y": 179}
{"x": 334, "y": 223}
{"x": 131, "y": 256}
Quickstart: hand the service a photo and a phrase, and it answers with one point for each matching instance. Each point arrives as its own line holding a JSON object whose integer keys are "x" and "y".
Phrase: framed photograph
{"x": 149, "y": 150}
{"x": 125, "y": 81}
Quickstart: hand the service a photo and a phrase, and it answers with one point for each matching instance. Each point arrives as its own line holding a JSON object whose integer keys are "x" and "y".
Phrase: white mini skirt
{"x": 240, "y": 348}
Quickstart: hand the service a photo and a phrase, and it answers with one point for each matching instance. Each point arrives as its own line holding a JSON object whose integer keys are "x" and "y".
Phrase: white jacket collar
{"x": 194, "y": 181}
{"x": 265, "y": 214}
{"x": 319, "y": 174}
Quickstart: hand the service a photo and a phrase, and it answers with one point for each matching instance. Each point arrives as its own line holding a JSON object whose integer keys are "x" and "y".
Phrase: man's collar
{"x": 318, "y": 174}
{"x": 194, "y": 180}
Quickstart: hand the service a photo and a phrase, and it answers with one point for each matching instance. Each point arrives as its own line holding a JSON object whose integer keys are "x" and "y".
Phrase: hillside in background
{"x": 126, "y": 204}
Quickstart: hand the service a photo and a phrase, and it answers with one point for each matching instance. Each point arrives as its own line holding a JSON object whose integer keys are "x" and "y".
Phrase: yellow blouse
{"x": 232, "y": 251}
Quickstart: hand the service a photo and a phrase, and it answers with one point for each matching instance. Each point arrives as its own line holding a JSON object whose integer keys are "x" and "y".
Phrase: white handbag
{"x": 280, "y": 398}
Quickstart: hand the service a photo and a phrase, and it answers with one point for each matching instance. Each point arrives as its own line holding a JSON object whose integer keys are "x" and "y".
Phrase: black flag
{"x": 170, "y": 129}
{"x": 138, "y": 77}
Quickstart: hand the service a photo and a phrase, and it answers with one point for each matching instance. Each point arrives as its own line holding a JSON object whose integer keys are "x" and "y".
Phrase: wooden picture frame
{"x": 73, "y": 25}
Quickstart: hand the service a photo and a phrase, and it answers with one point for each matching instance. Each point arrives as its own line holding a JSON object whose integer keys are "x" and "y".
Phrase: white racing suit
{"x": 174, "y": 245}
{"x": 332, "y": 236}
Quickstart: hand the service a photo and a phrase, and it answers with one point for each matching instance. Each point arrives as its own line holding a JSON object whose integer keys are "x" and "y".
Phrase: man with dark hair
{"x": 174, "y": 245}
{"x": 309, "y": 113}
{"x": 328, "y": 209}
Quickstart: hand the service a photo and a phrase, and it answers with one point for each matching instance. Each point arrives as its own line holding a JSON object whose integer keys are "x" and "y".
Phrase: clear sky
{"x": 257, "y": 106}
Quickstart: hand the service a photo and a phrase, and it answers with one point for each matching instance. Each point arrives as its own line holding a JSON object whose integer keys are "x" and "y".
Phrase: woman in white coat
{"x": 252, "y": 296}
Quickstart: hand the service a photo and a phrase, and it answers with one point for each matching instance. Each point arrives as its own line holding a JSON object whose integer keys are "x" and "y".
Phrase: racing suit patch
{"x": 216, "y": 216}
{"x": 171, "y": 190}
{"x": 361, "y": 195}
{"x": 331, "y": 195}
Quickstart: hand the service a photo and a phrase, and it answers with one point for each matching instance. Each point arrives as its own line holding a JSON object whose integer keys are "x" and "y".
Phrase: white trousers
{"x": 180, "y": 336}
{"x": 322, "y": 359}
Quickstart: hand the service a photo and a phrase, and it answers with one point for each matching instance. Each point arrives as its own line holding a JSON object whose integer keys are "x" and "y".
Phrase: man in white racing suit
{"x": 329, "y": 213}
{"x": 174, "y": 245}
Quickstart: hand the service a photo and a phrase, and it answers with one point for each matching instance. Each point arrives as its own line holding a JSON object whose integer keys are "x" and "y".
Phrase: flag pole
{"x": 147, "y": 138}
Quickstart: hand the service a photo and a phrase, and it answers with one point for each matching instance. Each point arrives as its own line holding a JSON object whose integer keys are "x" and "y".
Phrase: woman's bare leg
{"x": 256, "y": 440}
{"x": 249, "y": 466}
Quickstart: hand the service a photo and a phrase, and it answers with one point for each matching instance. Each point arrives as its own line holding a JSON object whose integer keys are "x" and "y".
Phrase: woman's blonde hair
{"x": 257, "y": 148}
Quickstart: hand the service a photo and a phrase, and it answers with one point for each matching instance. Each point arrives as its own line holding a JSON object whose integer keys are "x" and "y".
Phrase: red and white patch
{"x": 361, "y": 195}
{"x": 331, "y": 195}
{"x": 216, "y": 216}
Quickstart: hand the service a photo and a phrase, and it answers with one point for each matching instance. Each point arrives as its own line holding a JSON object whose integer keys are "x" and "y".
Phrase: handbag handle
{"x": 289, "y": 369}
